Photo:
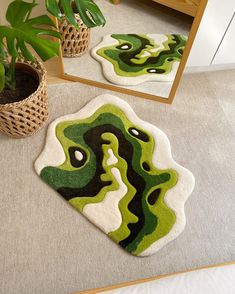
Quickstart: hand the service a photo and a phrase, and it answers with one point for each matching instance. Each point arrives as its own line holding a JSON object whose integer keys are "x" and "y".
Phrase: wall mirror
{"x": 142, "y": 49}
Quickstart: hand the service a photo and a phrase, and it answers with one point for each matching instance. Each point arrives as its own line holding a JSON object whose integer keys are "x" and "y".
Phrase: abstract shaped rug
{"x": 131, "y": 59}
{"x": 117, "y": 170}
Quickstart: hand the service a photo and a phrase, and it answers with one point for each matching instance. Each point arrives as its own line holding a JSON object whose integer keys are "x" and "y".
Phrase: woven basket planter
{"x": 74, "y": 42}
{"x": 24, "y": 118}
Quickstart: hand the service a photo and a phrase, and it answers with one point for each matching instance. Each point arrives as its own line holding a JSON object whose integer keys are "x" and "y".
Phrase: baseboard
{"x": 211, "y": 67}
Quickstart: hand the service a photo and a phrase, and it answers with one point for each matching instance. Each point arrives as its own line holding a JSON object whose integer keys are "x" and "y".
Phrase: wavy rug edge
{"x": 175, "y": 198}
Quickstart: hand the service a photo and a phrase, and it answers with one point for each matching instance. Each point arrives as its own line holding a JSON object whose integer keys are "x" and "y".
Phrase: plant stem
{"x": 12, "y": 73}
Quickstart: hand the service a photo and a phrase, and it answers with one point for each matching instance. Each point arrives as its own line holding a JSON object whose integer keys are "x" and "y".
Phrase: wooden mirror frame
{"x": 169, "y": 100}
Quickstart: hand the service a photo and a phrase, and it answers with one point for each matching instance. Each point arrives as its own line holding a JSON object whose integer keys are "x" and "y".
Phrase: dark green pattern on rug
{"x": 137, "y": 55}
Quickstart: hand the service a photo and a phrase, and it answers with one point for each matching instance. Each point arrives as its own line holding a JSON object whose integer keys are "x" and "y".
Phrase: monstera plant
{"x": 23, "y": 102}
{"x": 87, "y": 9}
{"x": 75, "y": 18}
{"x": 23, "y": 99}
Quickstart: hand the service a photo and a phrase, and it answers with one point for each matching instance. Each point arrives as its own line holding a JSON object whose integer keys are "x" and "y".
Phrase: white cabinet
{"x": 212, "y": 32}
{"x": 226, "y": 50}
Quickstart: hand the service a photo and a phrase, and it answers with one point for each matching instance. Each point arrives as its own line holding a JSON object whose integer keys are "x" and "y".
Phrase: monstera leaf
{"x": 87, "y": 9}
{"x": 24, "y": 30}
{"x": 3, "y": 57}
{"x": 2, "y": 77}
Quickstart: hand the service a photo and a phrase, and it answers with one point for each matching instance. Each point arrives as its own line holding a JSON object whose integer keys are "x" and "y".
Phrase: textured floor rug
{"x": 131, "y": 59}
{"x": 117, "y": 170}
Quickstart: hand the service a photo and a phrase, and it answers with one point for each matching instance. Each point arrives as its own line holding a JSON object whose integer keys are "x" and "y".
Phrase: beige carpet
{"x": 47, "y": 247}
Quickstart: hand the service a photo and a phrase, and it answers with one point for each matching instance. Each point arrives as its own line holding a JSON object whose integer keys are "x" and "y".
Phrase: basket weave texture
{"x": 74, "y": 42}
{"x": 24, "y": 118}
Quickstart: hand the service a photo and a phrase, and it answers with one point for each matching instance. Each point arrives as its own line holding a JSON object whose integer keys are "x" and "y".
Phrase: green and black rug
{"x": 117, "y": 170}
{"x": 131, "y": 59}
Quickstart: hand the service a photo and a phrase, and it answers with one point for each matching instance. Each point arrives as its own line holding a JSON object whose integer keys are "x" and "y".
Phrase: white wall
{"x": 40, "y": 9}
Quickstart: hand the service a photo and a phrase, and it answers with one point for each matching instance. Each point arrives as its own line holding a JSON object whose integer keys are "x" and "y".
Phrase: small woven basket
{"x": 74, "y": 42}
{"x": 24, "y": 118}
